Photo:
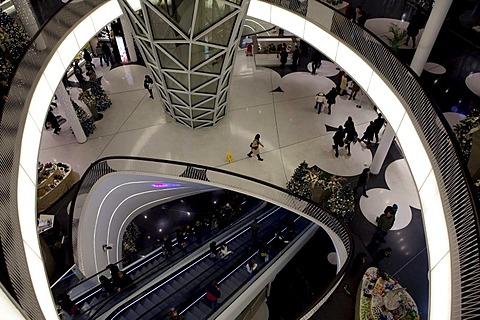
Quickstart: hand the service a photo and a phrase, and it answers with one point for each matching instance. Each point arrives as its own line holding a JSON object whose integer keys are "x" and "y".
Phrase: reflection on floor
{"x": 290, "y": 129}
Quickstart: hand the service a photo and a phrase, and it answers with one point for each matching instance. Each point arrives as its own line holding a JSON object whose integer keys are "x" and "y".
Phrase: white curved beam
{"x": 382, "y": 95}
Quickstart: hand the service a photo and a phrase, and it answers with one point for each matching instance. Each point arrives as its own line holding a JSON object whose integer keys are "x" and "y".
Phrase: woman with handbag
{"x": 254, "y": 147}
{"x": 148, "y": 85}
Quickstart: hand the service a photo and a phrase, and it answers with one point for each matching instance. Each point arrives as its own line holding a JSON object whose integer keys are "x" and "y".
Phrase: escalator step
{"x": 169, "y": 289}
{"x": 139, "y": 308}
{"x": 176, "y": 284}
{"x": 147, "y": 303}
{"x": 197, "y": 312}
{"x": 204, "y": 308}
{"x": 130, "y": 315}
{"x": 156, "y": 297}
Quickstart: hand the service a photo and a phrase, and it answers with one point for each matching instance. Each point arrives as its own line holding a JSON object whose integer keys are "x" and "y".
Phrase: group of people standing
{"x": 323, "y": 100}
{"x": 345, "y": 136}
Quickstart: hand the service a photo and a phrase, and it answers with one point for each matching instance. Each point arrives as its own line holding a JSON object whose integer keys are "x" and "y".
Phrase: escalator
{"x": 186, "y": 287}
{"x": 154, "y": 264}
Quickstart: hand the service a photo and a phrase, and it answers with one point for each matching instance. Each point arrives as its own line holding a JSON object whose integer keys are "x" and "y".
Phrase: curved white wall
{"x": 114, "y": 201}
{"x": 381, "y": 94}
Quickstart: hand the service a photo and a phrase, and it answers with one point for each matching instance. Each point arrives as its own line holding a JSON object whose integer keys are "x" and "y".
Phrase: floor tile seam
{"x": 118, "y": 130}
{"x": 127, "y": 91}
{"x": 409, "y": 261}
{"x": 276, "y": 129}
{"x": 131, "y": 113}
{"x": 60, "y": 145}
{"x": 142, "y": 128}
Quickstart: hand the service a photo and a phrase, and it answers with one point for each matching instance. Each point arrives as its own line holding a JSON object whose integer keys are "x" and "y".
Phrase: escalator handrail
{"x": 230, "y": 271}
{"x": 185, "y": 268}
{"x": 145, "y": 260}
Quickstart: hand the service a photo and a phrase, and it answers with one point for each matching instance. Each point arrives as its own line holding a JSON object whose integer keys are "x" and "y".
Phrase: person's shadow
{"x": 373, "y": 247}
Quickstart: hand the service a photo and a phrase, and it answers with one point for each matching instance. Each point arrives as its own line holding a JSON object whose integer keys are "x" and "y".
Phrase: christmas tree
{"x": 462, "y": 132}
{"x": 342, "y": 203}
{"x": 13, "y": 42}
{"x": 87, "y": 122}
{"x": 299, "y": 184}
{"x": 102, "y": 101}
{"x": 130, "y": 239}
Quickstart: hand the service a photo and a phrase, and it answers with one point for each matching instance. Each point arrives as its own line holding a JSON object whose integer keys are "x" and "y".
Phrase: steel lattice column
{"x": 189, "y": 46}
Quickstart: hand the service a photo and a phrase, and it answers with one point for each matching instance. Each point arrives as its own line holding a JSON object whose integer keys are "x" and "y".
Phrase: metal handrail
{"x": 455, "y": 185}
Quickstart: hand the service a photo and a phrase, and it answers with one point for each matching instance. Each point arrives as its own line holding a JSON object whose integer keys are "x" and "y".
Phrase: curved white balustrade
{"x": 381, "y": 93}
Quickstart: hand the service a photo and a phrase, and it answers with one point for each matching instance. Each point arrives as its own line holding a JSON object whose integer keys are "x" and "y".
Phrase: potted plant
{"x": 397, "y": 38}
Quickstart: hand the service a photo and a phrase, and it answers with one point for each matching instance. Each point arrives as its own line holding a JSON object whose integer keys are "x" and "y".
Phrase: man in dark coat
{"x": 368, "y": 134}
{"x": 338, "y": 139}
{"x": 331, "y": 95}
{"x": 413, "y": 28}
{"x": 283, "y": 57}
{"x": 362, "y": 181}
{"x": 295, "y": 58}
{"x": 378, "y": 125}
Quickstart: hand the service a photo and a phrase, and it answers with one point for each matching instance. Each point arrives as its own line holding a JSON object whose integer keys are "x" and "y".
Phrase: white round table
{"x": 473, "y": 83}
{"x": 434, "y": 68}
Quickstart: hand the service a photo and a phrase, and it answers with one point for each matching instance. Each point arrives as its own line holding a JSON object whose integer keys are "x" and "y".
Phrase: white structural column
{"x": 63, "y": 99}
{"x": 382, "y": 149}
{"x": 27, "y": 17}
{"x": 127, "y": 33}
{"x": 429, "y": 36}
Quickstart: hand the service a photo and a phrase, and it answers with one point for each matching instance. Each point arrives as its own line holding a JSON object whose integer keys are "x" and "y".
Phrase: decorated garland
{"x": 300, "y": 183}
{"x": 102, "y": 101}
{"x": 87, "y": 122}
{"x": 129, "y": 242}
{"x": 338, "y": 197}
{"x": 462, "y": 132}
{"x": 13, "y": 42}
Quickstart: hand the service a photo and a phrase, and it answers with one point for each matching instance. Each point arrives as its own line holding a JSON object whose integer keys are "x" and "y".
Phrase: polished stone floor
{"x": 291, "y": 131}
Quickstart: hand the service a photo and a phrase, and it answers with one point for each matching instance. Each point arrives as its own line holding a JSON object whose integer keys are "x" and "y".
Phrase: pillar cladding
{"x": 189, "y": 46}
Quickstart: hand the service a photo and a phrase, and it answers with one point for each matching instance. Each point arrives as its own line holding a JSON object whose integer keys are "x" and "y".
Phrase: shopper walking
{"x": 3, "y": 91}
{"x": 413, "y": 28}
{"x": 331, "y": 95}
{"x": 212, "y": 294}
{"x": 384, "y": 223}
{"x": 350, "y": 134}
{"x": 363, "y": 181}
{"x": 254, "y": 227}
{"x": 338, "y": 139}
{"x": 355, "y": 89}
{"x": 78, "y": 73}
{"x": 87, "y": 56}
{"x": 148, "y": 85}
{"x": 254, "y": 147}
{"x": 378, "y": 125}
{"x": 99, "y": 53}
{"x": 320, "y": 102}
{"x": 368, "y": 134}
{"x": 316, "y": 61}
{"x": 52, "y": 119}
{"x": 251, "y": 267}
{"x": 107, "y": 53}
{"x": 360, "y": 17}
{"x": 295, "y": 58}
{"x": 283, "y": 57}
{"x": 343, "y": 85}
{"x": 380, "y": 255}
